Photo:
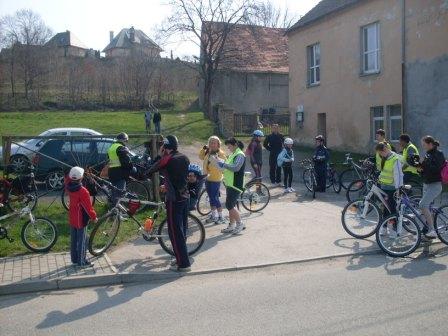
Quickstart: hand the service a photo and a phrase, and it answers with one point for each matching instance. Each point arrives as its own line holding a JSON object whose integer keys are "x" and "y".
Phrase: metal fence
{"x": 245, "y": 124}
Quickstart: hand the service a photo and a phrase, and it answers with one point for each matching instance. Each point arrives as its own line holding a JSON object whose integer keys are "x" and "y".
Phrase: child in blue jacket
{"x": 285, "y": 160}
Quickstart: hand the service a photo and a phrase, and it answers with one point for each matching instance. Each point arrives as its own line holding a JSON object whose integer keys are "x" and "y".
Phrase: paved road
{"x": 370, "y": 295}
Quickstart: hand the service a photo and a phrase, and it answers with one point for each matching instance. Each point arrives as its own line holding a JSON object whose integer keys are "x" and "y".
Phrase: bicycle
{"x": 310, "y": 181}
{"x": 38, "y": 234}
{"x": 355, "y": 172}
{"x": 254, "y": 198}
{"x": 15, "y": 191}
{"x": 400, "y": 234}
{"x": 106, "y": 229}
{"x": 101, "y": 190}
{"x": 361, "y": 217}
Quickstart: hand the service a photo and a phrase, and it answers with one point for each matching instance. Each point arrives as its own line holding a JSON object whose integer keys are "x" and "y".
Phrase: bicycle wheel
{"x": 308, "y": 179}
{"x": 103, "y": 233}
{"x": 359, "y": 222}
{"x": 398, "y": 241}
{"x": 17, "y": 201}
{"x": 347, "y": 177}
{"x": 65, "y": 199}
{"x": 356, "y": 190}
{"x": 139, "y": 190}
{"x": 195, "y": 235}
{"x": 255, "y": 197}
{"x": 336, "y": 183}
{"x": 441, "y": 223}
{"x": 39, "y": 235}
{"x": 203, "y": 205}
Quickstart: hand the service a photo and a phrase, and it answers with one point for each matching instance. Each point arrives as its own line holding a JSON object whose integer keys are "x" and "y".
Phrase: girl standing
{"x": 285, "y": 160}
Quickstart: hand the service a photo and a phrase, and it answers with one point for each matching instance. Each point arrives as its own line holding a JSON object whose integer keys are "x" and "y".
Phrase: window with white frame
{"x": 313, "y": 64}
{"x": 377, "y": 113}
{"x": 371, "y": 48}
{"x": 395, "y": 122}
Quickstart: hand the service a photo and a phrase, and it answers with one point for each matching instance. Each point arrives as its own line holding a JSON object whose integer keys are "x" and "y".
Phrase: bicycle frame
{"x": 357, "y": 168}
{"x": 21, "y": 213}
{"x": 374, "y": 191}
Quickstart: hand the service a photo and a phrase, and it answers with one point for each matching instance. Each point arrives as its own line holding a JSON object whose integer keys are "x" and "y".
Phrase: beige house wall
{"x": 344, "y": 94}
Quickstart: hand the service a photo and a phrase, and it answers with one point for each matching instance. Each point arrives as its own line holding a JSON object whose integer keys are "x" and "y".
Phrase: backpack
{"x": 444, "y": 173}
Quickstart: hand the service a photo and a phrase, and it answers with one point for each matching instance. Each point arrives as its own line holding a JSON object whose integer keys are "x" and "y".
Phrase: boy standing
{"x": 80, "y": 211}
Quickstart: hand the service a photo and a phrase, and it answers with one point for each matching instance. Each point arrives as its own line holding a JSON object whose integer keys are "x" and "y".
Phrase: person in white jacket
{"x": 285, "y": 160}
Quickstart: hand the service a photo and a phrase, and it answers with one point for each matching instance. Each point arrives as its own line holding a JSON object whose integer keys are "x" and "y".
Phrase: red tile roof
{"x": 256, "y": 49}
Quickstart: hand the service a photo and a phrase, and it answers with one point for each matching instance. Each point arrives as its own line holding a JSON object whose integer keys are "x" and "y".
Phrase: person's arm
{"x": 267, "y": 144}
{"x": 398, "y": 174}
{"x": 235, "y": 166}
{"x": 87, "y": 204}
{"x": 159, "y": 164}
{"x": 409, "y": 159}
{"x": 202, "y": 153}
{"x": 123, "y": 156}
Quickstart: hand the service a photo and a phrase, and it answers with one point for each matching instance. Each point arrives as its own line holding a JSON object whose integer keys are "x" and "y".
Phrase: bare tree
{"x": 192, "y": 21}
{"x": 24, "y": 33}
{"x": 268, "y": 15}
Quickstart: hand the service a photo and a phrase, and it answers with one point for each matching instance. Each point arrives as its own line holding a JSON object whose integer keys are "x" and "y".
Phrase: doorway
{"x": 322, "y": 124}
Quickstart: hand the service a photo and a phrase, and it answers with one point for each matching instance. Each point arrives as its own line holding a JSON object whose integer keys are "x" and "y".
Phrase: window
{"x": 377, "y": 113}
{"x": 395, "y": 123}
{"x": 371, "y": 48}
{"x": 314, "y": 64}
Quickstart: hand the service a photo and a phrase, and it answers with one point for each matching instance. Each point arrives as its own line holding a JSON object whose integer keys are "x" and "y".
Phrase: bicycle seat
{"x": 407, "y": 187}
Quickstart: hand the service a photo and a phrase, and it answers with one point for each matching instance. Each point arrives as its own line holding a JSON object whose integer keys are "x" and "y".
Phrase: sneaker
{"x": 239, "y": 227}
{"x": 431, "y": 234}
{"x": 220, "y": 220}
{"x": 286, "y": 191}
{"x": 279, "y": 184}
{"x": 228, "y": 229}
{"x": 173, "y": 262}
{"x": 292, "y": 190}
{"x": 211, "y": 219}
{"x": 86, "y": 264}
{"x": 180, "y": 269}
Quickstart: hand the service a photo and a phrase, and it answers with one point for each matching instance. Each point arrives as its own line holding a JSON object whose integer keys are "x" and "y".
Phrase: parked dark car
{"x": 49, "y": 161}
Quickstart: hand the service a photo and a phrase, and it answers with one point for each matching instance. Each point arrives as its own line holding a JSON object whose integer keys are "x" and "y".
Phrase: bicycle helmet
{"x": 76, "y": 173}
{"x": 170, "y": 142}
{"x": 258, "y": 133}
{"x": 289, "y": 141}
{"x": 320, "y": 138}
{"x": 196, "y": 169}
{"x": 122, "y": 137}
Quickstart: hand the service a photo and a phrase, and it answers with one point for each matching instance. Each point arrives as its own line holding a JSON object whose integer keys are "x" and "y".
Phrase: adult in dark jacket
{"x": 174, "y": 167}
{"x": 321, "y": 158}
{"x": 120, "y": 166}
{"x": 157, "y": 119}
{"x": 274, "y": 144}
{"x": 255, "y": 152}
{"x": 430, "y": 170}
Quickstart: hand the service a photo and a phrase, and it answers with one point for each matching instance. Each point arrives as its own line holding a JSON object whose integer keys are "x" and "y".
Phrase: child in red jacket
{"x": 80, "y": 211}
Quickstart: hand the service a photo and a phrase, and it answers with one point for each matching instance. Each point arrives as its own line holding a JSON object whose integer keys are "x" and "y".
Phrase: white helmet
{"x": 289, "y": 141}
{"x": 76, "y": 173}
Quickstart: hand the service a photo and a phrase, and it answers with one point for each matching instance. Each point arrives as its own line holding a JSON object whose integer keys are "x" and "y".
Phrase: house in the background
{"x": 253, "y": 74}
{"x": 129, "y": 39}
{"x": 67, "y": 44}
{"x": 359, "y": 65}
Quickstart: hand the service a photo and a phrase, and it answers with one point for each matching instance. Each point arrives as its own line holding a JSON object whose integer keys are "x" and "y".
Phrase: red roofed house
{"x": 253, "y": 74}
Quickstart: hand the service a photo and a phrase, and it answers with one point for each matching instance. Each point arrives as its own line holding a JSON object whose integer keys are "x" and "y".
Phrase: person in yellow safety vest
{"x": 120, "y": 166}
{"x": 380, "y": 136}
{"x": 409, "y": 155}
{"x": 233, "y": 171}
{"x": 391, "y": 179}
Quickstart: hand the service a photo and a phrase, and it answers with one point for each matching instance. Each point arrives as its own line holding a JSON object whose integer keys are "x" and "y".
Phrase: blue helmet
{"x": 258, "y": 133}
{"x": 196, "y": 169}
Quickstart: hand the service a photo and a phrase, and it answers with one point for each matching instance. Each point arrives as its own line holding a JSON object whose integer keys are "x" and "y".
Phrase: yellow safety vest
{"x": 114, "y": 160}
{"x": 387, "y": 173}
{"x": 409, "y": 169}
{"x": 378, "y": 158}
{"x": 234, "y": 179}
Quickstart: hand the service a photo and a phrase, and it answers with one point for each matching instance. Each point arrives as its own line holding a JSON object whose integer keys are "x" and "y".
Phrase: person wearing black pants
{"x": 285, "y": 160}
{"x": 174, "y": 167}
{"x": 274, "y": 144}
{"x": 321, "y": 158}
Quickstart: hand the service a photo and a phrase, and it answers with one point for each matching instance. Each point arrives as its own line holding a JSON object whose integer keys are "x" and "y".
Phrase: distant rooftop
{"x": 65, "y": 39}
{"x": 322, "y": 9}
{"x": 124, "y": 39}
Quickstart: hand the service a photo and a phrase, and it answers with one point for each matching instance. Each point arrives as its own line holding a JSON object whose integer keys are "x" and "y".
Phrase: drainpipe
{"x": 403, "y": 65}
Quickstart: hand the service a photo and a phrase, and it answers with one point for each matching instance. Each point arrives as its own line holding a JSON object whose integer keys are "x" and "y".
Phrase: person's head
{"x": 194, "y": 172}
{"x": 275, "y": 128}
{"x": 383, "y": 149}
{"x": 288, "y": 143}
{"x": 123, "y": 138}
{"x": 232, "y": 144}
{"x": 214, "y": 143}
{"x": 257, "y": 134}
{"x": 76, "y": 174}
{"x": 170, "y": 144}
{"x": 380, "y": 135}
{"x": 429, "y": 143}
{"x": 405, "y": 139}
{"x": 320, "y": 140}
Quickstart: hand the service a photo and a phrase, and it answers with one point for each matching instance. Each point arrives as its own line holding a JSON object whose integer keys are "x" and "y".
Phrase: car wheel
{"x": 55, "y": 180}
{"x": 19, "y": 163}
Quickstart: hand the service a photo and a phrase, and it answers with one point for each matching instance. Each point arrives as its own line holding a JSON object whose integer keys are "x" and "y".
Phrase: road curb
{"x": 129, "y": 278}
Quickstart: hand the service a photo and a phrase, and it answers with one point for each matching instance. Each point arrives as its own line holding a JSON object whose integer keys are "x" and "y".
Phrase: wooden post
{"x": 155, "y": 176}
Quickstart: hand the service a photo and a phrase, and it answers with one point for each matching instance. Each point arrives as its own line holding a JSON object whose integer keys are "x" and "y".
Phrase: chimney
{"x": 132, "y": 34}
{"x": 111, "y": 35}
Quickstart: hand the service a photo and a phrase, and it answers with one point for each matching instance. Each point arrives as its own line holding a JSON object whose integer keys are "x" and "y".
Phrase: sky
{"x": 91, "y": 20}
